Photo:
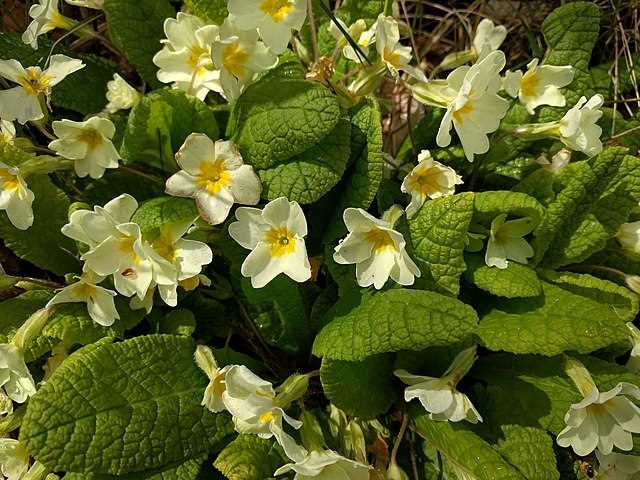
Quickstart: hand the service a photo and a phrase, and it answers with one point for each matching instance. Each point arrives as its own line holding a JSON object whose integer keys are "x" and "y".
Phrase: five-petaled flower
{"x": 506, "y": 243}
{"x": 45, "y": 17}
{"x": 15, "y": 197}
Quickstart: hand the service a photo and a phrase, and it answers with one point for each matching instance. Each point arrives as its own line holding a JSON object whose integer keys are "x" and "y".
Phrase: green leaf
{"x": 249, "y": 457}
{"x": 515, "y": 281}
{"x": 158, "y": 213}
{"x": 137, "y": 28}
{"x": 581, "y": 318}
{"x": 571, "y": 32}
{"x": 214, "y": 11}
{"x": 289, "y": 68}
{"x": 361, "y": 389}
{"x": 72, "y": 93}
{"x": 465, "y": 450}
{"x": 530, "y": 450}
{"x": 439, "y": 236}
{"x": 362, "y": 178}
{"x": 544, "y": 392}
{"x": 277, "y": 119}
{"x": 597, "y": 197}
{"x": 178, "y": 322}
{"x": 122, "y": 408}
{"x": 188, "y": 470}
{"x": 43, "y": 244}
{"x": 160, "y": 123}
{"x": 278, "y": 309}
{"x": 489, "y": 205}
{"x": 309, "y": 175}
{"x": 396, "y": 320}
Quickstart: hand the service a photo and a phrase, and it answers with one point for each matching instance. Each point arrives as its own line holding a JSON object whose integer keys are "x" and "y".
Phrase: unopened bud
{"x": 633, "y": 282}
{"x": 292, "y": 389}
{"x": 394, "y": 472}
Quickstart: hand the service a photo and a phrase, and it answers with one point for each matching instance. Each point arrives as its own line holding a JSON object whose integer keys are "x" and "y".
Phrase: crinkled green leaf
{"x": 489, "y": 205}
{"x": 180, "y": 321}
{"x": 396, "y": 320}
{"x": 468, "y": 453}
{"x": 188, "y": 470}
{"x": 214, "y": 11}
{"x": 361, "y": 389}
{"x": 158, "y": 213}
{"x": 122, "y": 408}
{"x": 279, "y": 311}
{"x": 249, "y": 457}
{"x": 43, "y": 244}
{"x": 596, "y": 198}
{"x": 531, "y": 390}
{"x": 363, "y": 176}
{"x": 439, "y": 236}
{"x": 137, "y": 28}
{"x": 289, "y": 68}
{"x": 309, "y": 175}
{"x": 515, "y": 281}
{"x": 571, "y": 32}
{"x": 580, "y": 315}
{"x": 530, "y": 450}
{"x": 160, "y": 123}
{"x": 277, "y": 119}
{"x": 72, "y": 93}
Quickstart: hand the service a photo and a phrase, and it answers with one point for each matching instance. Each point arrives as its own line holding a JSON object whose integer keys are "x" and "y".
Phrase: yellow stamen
{"x": 529, "y": 84}
{"x": 392, "y": 57}
{"x": 281, "y": 241}
{"x": 214, "y": 176}
{"x": 269, "y": 416}
{"x": 234, "y": 58}
{"x": 459, "y": 114}
{"x": 380, "y": 239}
{"x": 8, "y": 181}
{"x": 91, "y": 137}
{"x": 198, "y": 59}
{"x": 126, "y": 245}
{"x": 35, "y": 82}
{"x": 425, "y": 182}
{"x": 277, "y": 9}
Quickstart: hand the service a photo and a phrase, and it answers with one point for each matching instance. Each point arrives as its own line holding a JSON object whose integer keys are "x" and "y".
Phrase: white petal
{"x": 60, "y": 66}
{"x": 246, "y": 186}
{"x": 17, "y": 104}
{"x": 250, "y": 227}
{"x": 214, "y": 209}
{"x": 102, "y": 308}
{"x": 181, "y": 184}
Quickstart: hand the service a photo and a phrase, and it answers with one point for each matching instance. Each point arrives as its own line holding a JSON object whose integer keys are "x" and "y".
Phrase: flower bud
{"x": 394, "y": 472}
{"x": 292, "y": 389}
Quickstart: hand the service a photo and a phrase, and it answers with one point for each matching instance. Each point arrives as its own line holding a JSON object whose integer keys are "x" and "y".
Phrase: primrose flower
{"x": 23, "y": 102}
{"x": 428, "y": 179}
{"x": 176, "y": 259}
{"x": 394, "y": 56}
{"x": 88, "y": 143}
{"x": 121, "y": 95}
{"x": 506, "y": 243}
{"x": 358, "y": 31}
{"x": 326, "y": 465}
{"x": 617, "y": 466}
{"x": 539, "y": 85}
{"x": 376, "y": 248}
{"x": 628, "y": 237}
{"x": 215, "y": 176}
{"x": 578, "y": 129}
{"x": 213, "y": 393}
{"x": 274, "y": 19}
{"x": 558, "y": 161}
{"x": 275, "y": 236}
{"x": 252, "y": 403}
{"x": 474, "y": 108}
{"x": 185, "y": 60}
{"x": 94, "y": 4}
{"x": 439, "y": 396}
{"x": 99, "y": 300}
{"x": 600, "y": 420}
{"x": 15, "y": 378}
{"x": 93, "y": 227}
{"x": 240, "y": 56}
{"x": 14, "y": 459}
{"x": 46, "y": 17}
{"x": 7, "y": 131}
{"x": 488, "y": 38}
{"x": 15, "y": 197}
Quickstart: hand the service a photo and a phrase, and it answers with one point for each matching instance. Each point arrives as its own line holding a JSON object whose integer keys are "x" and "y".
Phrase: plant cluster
{"x": 216, "y": 268}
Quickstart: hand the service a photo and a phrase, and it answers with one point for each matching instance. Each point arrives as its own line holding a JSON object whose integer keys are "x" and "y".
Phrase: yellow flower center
{"x": 195, "y": 60}
{"x": 125, "y": 245}
{"x": 281, "y": 241}
{"x": 214, "y": 176}
{"x": 217, "y": 386}
{"x": 392, "y": 57}
{"x": 165, "y": 248}
{"x": 466, "y": 109}
{"x": 529, "y": 84}
{"x": 269, "y": 416}
{"x": 380, "y": 239}
{"x": 91, "y": 137}
{"x": 34, "y": 82}
{"x": 234, "y": 58}
{"x": 8, "y": 181}
{"x": 277, "y": 9}
{"x": 84, "y": 290}
{"x": 425, "y": 182}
